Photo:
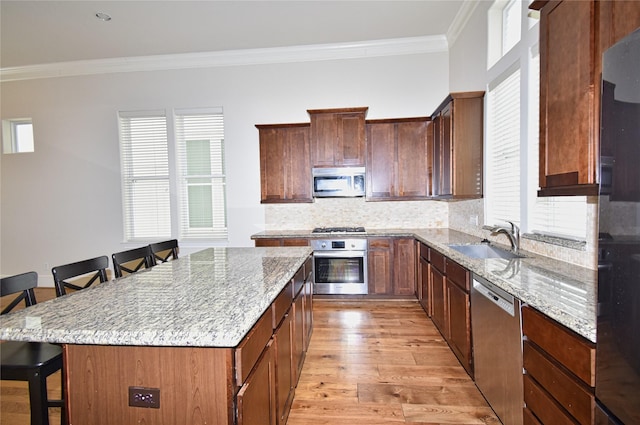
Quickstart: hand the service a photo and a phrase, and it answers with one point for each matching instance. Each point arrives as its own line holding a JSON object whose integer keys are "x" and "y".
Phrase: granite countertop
{"x": 210, "y": 298}
{"x": 563, "y": 291}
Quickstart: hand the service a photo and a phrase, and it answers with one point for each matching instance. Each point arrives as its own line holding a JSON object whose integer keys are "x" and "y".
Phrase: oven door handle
{"x": 339, "y": 254}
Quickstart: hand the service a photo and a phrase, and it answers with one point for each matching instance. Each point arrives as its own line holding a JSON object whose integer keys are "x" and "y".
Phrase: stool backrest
{"x": 22, "y": 284}
{"x": 164, "y": 251}
{"x": 132, "y": 260}
{"x": 95, "y": 268}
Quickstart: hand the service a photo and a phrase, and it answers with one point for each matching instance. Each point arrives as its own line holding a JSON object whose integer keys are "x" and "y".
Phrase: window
{"x": 503, "y": 149}
{"x": 17, "y": 135}
{"x": 149, "y": 180}
{"x": 512, "y": 137}
{"x": 505, "y": 22}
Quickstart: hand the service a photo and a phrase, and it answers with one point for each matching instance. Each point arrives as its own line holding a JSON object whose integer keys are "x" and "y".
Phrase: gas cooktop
{"x": 338, "y": 230}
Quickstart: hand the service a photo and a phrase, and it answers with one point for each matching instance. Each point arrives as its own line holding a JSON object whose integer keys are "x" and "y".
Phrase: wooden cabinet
{"x": 439, "y": 307}
{"x": 285, "y": 163}
{"x": 448, "y": 289}
{"x": 379, "y": 251}
{"x": 458, "y": 283}
{"x": 399, "y": 159}
{"x": 338, "y": 137}
{"x": 457, "y": 146}
{"x": 282, "y": 338}
{"x": 424, "y": 287}
{"x": 391, "y": 266}
{"x": 559, "y": 372}
{"x": 281, "y": 242}
{"x": 573, "y": 36}
{"x": 256, "y": 398}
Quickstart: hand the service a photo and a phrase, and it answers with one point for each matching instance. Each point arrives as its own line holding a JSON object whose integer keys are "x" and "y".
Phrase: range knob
{"x": 324, "y": 245}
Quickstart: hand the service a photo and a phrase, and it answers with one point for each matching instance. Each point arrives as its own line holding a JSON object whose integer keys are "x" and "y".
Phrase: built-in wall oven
{"x": 340, "y": 266}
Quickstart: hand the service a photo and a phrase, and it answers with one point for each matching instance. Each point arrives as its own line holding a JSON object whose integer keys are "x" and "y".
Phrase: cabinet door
{"x": 438, "y": 301}
{"x": 285, "y": 164}
{"x": 381, "y": 163}
{"x": 284, "y": 382}
{"x": 298, "y": 336}
{"x": 445, "y": 151}
{"x": 413, "y": 179}
{"x": 323, "y": 139}
{"x": 350, "y": 142}
{"x": 569, "y": 94}
{"x": 256, "y": 398}
{"x": 459, "y": 324}
{"x": 308, "y": 312}
{"x": 425, "y": 301}
{"x": 404, "y": 266}
{"x": 297, "y": 165}
{"x": 379, "y": 266}
{"x": 271, "y": 165}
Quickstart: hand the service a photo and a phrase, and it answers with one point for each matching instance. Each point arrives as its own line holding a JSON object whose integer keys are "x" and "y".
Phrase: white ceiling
{"x": 41, "y": 32}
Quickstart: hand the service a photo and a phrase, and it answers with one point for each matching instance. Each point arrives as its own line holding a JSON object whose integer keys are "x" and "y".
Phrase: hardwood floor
{"x": 369, "y": 362}
{"x": 382, "y": 362}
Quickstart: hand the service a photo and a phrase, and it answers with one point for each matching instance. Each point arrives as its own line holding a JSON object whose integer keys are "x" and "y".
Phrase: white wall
{"x": 63, "y": 203}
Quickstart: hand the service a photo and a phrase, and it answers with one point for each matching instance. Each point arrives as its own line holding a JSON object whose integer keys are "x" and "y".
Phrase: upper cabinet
{"x": 285, "y": 168}
{"x": 338, "y": 137}
{"x": 457, "y": 146}
{"x": 573, "y": 36}
{"x": 399, "y": 159}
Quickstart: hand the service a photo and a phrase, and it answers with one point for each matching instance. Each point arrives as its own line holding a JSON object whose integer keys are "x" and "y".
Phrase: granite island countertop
{"x": 210, "y": 298}
{"x": 563, "y": 291}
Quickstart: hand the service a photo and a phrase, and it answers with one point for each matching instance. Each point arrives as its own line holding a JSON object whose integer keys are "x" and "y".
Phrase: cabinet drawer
{"x": 437, "y": 260}
{"x": 282, "y": 303}
{"x": 546, "y": 409}
{"x": 571, "y": 350}
{"x": 424, "y": 251}
{"x": 295, "y": 242}
{"x": 457, "y": 274}
{"x": 572, "y": 394}
{"x": 252, "y": 345}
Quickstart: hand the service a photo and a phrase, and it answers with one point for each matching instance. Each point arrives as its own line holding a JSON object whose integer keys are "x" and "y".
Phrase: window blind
{"x": 145, "y": 175}
{"x": 201, "y": 173}
{"x": 503, "y": 150}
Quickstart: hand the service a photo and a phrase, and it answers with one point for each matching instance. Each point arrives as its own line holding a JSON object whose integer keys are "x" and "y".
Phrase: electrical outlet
{"x": 144, "y": 397}
{"x": 473, "y": 219}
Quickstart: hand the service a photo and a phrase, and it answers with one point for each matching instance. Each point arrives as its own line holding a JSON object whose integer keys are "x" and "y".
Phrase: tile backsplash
{"x": 329, "y": 212}
{"x": 466, "y": 216}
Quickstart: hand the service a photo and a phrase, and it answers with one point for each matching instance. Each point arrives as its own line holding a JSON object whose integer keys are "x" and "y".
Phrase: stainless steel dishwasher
{"x": 497, "y": 349}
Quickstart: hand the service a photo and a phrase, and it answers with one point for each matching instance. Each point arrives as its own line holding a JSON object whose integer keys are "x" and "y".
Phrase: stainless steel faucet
{"x": 513, "y": 234}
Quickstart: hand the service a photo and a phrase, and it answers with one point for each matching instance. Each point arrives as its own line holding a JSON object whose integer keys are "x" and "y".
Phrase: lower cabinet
{"x": 447, "y": 287}
{"x": 267, "y": 385}
{"x": 281, "y": 242}
{"x": 256, "y": 400}
{"x": 559, "y": 375}
{"x": 424, "y": 289}
{"x": 391, "y": 266}
{"x": 284, "y": 343}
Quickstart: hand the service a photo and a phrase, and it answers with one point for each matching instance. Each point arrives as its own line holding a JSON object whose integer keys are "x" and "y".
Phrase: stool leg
{"x": 38, "y": 398}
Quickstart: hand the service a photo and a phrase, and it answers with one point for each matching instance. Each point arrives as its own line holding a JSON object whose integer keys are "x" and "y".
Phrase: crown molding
{"x": 310, "y": 53}
{"x": 460, "y": 20}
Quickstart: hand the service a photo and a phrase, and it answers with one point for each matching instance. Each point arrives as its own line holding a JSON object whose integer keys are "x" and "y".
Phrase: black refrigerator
{"x": 618, "y": 324}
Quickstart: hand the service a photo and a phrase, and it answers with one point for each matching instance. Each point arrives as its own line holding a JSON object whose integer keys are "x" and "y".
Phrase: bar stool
{"x": 30, "y": 361}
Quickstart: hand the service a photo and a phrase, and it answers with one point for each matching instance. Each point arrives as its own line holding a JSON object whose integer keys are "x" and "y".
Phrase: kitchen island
{"x": 189, "y": 339}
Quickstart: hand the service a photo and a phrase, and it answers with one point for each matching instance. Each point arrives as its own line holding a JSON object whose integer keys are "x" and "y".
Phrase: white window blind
{"x": 201, "y": 174}
{"x": 502, "y": 200}
{"x": 511, "y": 25}
{"x": 145, "y": 175}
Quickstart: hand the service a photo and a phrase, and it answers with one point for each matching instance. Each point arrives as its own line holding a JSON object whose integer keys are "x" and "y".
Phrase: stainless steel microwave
{"x": 338, "y": 182}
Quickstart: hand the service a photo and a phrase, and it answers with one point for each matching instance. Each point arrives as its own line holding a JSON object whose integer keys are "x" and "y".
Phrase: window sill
{"x": 556, "y": 240}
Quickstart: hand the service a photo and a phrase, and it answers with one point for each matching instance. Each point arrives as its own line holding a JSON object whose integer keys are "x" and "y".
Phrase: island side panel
{"x": 195, "y": 384}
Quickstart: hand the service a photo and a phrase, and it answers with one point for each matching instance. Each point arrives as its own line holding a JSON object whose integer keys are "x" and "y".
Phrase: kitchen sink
{"x": 484, "y": 251}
